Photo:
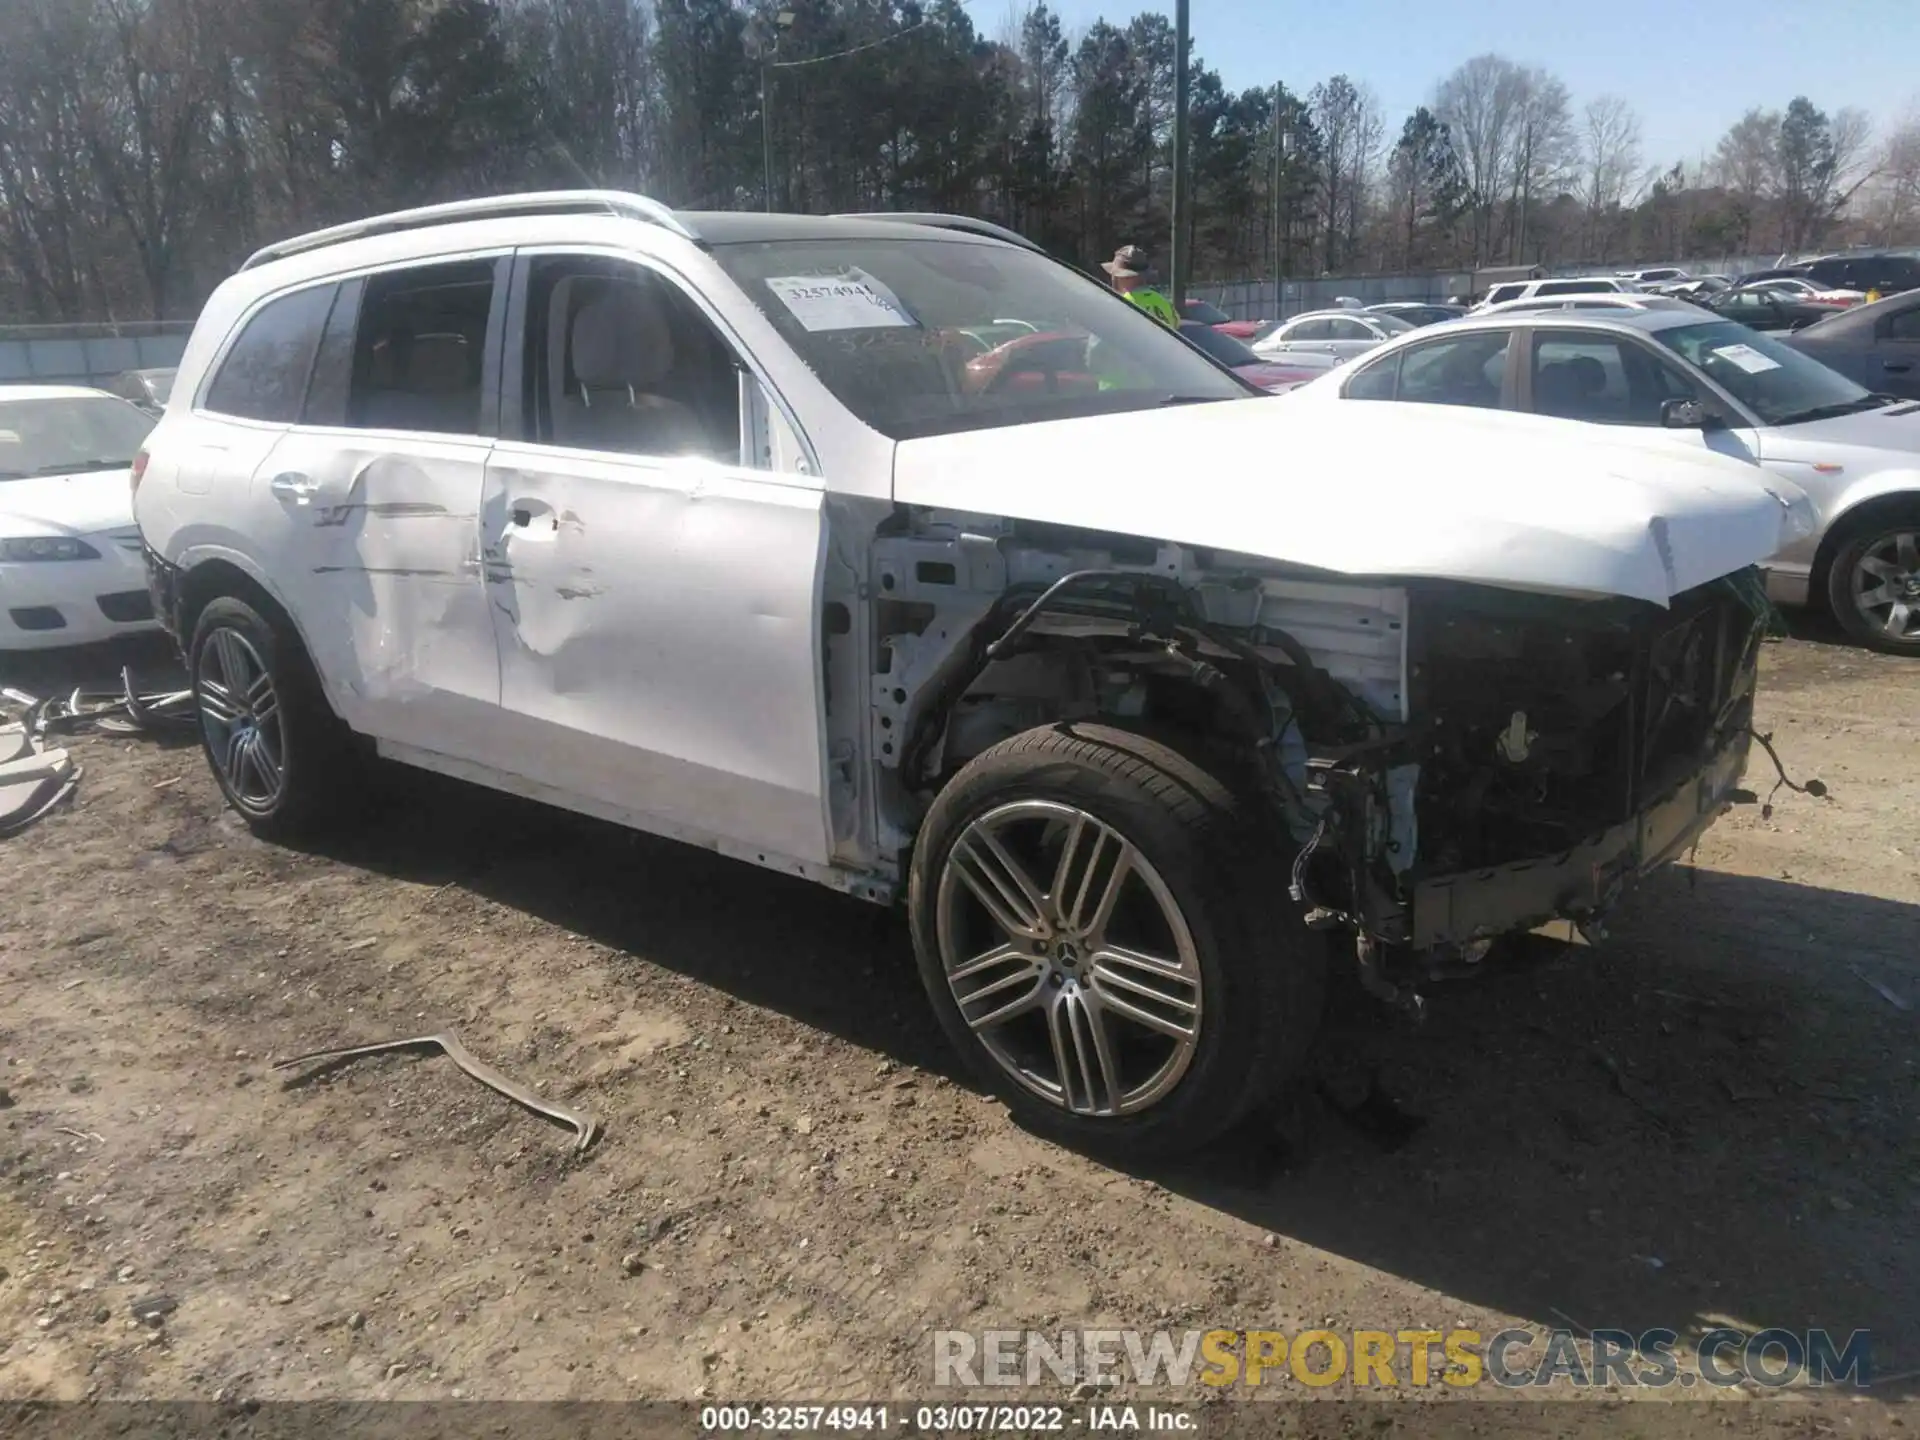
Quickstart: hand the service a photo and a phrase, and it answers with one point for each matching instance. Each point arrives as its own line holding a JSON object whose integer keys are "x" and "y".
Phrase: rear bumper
{"x": 1584, "y": 882}
{"x": 1789, "y": 585}
{"x": 163, "y": 586}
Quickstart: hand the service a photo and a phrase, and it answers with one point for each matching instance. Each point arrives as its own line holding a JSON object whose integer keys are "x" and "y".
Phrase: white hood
{"x": 67, "y": 504}
{"x": 1409, "y": 491}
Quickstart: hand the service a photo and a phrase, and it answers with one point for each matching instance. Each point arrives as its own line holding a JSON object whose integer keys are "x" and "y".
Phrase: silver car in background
{"x": 1339, "y": 333}
{"x": 1691, "y": 380}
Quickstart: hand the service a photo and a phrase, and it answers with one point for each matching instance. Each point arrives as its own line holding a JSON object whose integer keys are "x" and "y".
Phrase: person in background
{"x": 1128, "y": 272}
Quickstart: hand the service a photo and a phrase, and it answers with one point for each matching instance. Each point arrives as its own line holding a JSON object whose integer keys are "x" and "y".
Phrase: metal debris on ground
{"x": 1885, "y": 992}
{"x": 585, "y": 1126}
{"x": 35, "y": 776}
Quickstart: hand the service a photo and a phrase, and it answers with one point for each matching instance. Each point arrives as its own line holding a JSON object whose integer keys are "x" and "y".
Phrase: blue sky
{"x": 1690, "y": 67}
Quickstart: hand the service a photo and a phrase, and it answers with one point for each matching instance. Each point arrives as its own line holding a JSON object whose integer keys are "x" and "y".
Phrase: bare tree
{"x": 1610, "y": 168}
{"x": 1543, "y": 150}
{"x": 1479, "y": 103}
{"x": 1892, "y": 211}
{"x": 1348, "y": 120}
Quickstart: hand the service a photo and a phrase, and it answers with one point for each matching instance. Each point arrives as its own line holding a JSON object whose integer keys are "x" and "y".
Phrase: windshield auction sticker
{"x": 852, "y": 300}
{"x": 1747, "y": 358}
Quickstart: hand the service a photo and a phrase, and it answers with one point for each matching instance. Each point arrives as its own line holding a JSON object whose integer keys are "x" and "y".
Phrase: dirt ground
{"x": 1712, "y": 1119}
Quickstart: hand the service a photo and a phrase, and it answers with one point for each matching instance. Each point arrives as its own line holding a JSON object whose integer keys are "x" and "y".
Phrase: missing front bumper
{"x": 1583, "y": 882}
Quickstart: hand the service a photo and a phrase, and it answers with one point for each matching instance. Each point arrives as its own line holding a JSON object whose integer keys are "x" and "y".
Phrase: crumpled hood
{"x": 1409, "y": 491}
{"x": 68, "y": 504}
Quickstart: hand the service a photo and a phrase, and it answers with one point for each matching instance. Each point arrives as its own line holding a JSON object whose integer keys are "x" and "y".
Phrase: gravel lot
{"x": 1712, "y": 1117}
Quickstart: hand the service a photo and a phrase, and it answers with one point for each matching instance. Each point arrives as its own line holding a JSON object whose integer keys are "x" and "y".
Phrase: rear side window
{"x": 1464, "y": 370}
{"x": 419, "y": 354}
{"x": 264, "y": 376}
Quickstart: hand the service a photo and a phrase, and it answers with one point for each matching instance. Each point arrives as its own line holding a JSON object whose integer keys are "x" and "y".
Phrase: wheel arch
{"x": 219, "y": 573}
{"x": 1892, "y": 495}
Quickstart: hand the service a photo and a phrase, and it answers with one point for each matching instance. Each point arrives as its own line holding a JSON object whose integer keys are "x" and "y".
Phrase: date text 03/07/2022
{"x": 942, "y": 1419}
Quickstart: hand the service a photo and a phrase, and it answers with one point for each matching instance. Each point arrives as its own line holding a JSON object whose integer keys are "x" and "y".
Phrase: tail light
{"x": 137, "y": 473}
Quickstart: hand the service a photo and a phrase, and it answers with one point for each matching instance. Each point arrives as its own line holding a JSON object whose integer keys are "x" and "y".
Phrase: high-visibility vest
{"x": 1156, "y": 305}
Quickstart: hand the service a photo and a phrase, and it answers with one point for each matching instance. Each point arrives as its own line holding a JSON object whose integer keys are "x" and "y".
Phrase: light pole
{"x": 1180, "y": 199}
{"x": 782, "y": 21}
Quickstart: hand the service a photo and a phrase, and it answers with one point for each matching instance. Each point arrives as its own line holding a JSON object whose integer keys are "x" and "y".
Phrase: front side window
{"x": 1602, "y": 379}
{"x": 1502, "y": 293}
{"x": 1351, "y": 330}
{"x": 69, "y": 435}
{"x": 264, "y": 376}
{"x": 1775, "y": 381}
{"x": 419, "y": 350}
{"x": 618, "y": 358}
{"x": 1308, "y": 330}
{"x": 888, "y": 325}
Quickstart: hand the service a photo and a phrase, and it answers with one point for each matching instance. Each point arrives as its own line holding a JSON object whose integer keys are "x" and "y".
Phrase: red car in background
{"x": 1205, "y": 314}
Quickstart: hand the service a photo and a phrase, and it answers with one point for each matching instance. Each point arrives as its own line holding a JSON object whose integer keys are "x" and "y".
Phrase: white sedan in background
{"x": 71, "y": 570}
{"x": 1688, "y": 379}
{"x": 1340, "y": 333}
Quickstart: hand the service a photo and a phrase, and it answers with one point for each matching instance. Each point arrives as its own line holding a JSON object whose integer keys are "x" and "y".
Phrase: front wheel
{"x": 1874, "y": 583}
{"x": 1103, "y": 932}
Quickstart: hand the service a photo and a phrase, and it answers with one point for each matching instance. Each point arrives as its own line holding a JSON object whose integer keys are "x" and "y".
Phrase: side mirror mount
{"x": 1685, "y": 415}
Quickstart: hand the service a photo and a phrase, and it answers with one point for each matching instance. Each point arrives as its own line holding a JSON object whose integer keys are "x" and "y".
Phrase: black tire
{"x": 318, "y": 756}
{"x": 1262, "y": 973}
{"x": 1860, "y": 538}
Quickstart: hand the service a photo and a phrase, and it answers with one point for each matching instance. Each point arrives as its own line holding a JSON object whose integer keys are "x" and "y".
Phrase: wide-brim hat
{"x": 1127, "y": 260}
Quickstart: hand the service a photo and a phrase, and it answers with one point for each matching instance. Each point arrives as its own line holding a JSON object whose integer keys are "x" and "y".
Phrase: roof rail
{"x": 545, "y": 202}
{"x": 964, "y": 223}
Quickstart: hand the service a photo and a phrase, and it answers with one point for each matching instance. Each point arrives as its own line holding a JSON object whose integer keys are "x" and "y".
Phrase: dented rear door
{"x": 375, "y": 497}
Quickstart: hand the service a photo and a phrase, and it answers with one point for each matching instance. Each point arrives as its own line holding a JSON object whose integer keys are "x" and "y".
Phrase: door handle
{"x": 1898, "y": 367}
{"x": 292, "y": 485}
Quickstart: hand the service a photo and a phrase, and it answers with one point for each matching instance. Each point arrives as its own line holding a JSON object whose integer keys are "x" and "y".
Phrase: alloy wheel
{"x": 240, "y": 717}
{"x": 1069, "y": 958}
{"x": 1885, "y": 585}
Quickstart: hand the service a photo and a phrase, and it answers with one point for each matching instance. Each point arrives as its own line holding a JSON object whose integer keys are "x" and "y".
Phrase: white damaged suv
{"x": 902, "y": 557}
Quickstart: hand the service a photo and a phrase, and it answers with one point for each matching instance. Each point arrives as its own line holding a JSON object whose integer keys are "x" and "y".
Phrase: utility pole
{"x": 1181, "y": 199}
{"x": 1279, "y": 155}
{"x": 782, "y": 22}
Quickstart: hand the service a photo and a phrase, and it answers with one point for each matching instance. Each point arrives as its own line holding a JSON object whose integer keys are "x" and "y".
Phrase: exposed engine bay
{"x": 1451, "y": 762}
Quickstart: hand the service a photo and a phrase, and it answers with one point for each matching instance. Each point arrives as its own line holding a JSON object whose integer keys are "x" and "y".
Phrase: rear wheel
{"x": 1873, "y": 583}
{"x": 1095, "y": 924}
{"x": 278, "y": 752}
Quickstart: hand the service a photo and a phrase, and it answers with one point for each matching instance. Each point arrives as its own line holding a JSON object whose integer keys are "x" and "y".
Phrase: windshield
{"x": 67, "y": 435}
{"x": 914, "y": 335}
{"x": 1779, "y": 384}
{"x": 1206, "y": 314}
{"x": 1224, "y": 348}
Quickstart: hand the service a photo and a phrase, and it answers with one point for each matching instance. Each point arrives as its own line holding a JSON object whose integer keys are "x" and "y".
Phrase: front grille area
{"x": 127, "y": 606}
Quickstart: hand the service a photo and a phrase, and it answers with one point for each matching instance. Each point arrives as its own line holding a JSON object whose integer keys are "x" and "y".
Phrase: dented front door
{"x": 657, "y": 622}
